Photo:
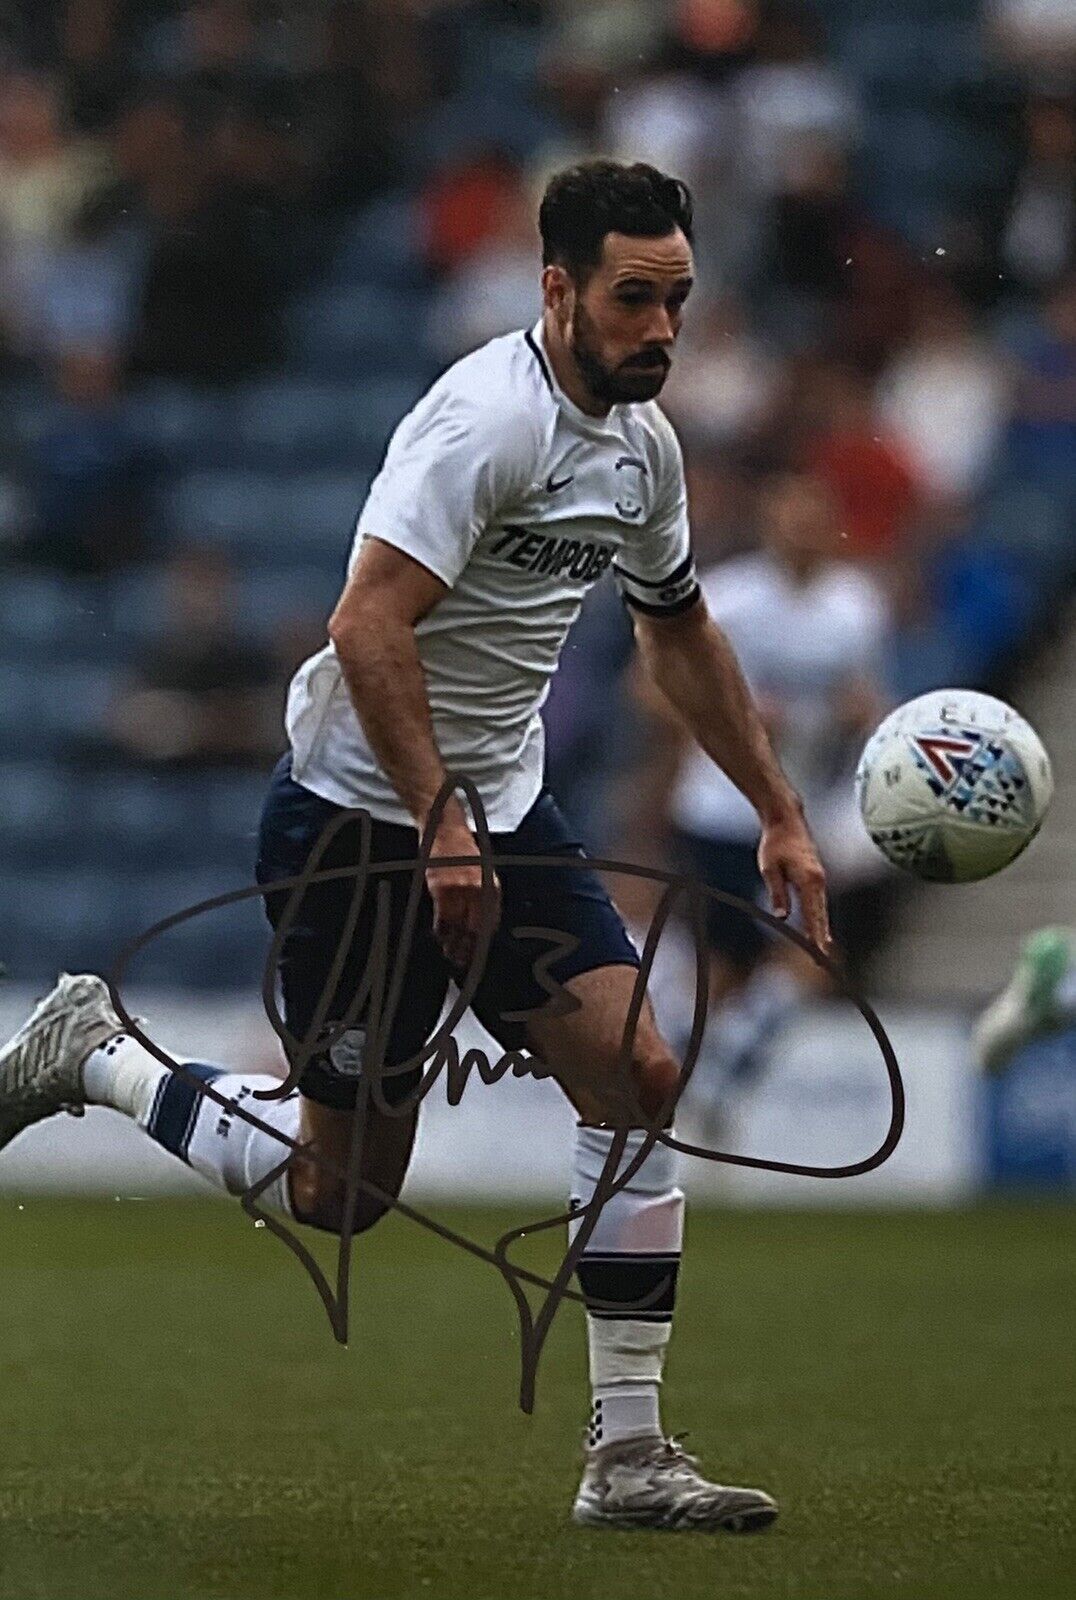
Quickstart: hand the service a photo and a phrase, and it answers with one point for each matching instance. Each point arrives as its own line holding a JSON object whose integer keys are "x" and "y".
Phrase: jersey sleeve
{"x": 656, "y": 571}
{"x": 452, "y": 464}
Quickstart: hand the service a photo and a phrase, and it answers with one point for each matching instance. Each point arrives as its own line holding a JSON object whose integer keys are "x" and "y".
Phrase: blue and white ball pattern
{"x": 953, "y": 785}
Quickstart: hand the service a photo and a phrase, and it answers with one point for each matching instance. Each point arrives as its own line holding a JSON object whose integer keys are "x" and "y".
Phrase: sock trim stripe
{"x": 188, "y": 1131}
{"x": 158, "y": 1096}
{"x": 629, "y": 1282}
{"x": 176, "y": 1106}
{"x": 631, "y": 1255}
{"x": 630, "y": 1316}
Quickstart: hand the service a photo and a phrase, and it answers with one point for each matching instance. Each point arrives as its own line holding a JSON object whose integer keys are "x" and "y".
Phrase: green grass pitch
{"x": 176, "y": 1421}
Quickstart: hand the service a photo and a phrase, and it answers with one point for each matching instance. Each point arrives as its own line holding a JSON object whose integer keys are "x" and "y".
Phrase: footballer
{"x": 534, "y": 467}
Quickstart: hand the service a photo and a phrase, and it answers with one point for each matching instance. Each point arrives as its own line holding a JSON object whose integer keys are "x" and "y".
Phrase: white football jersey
{"x": 798, "y": 645}
{"x": 518, "y": 501}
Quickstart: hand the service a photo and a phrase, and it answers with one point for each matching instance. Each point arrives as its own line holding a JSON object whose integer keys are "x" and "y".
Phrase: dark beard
{"x": 614, "y": 386}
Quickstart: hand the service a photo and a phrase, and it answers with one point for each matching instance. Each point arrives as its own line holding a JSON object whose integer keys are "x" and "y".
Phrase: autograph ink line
{"x": 380, "y": 992}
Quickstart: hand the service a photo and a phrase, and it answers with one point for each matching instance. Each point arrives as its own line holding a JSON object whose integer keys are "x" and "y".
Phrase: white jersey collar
{"x": 582, "y": 420}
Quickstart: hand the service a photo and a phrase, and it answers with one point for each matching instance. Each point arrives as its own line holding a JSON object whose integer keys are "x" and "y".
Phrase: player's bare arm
{"x": 692, "y": 663}
{"x": 372, "y": 630}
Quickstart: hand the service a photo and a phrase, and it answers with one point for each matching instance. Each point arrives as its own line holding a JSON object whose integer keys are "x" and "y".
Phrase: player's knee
{"x": 320, "y": 1201}
{"x": 657, "y": 1079}
{"x": 316, "y": 1200}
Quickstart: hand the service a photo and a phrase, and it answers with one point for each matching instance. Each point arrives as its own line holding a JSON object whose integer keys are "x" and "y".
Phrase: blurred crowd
{"x": 876, "y": 386}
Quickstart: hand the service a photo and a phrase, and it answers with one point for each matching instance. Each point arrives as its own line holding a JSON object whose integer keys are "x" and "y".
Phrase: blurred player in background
{"x": 808, "y": 630}
{"x": 529, "y": 469}
{"x": 1039, "y": 999}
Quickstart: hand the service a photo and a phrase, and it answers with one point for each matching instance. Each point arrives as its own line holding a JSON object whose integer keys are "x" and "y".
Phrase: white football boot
{"x": 653, "y": 1483}
{"x": 41, "y": 1066}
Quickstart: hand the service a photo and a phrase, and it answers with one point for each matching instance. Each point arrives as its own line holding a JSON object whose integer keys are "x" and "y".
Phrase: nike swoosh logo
{"x": 552, "y": 486}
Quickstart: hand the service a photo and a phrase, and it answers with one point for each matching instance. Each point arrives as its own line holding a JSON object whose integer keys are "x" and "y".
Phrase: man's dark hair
{"x": 584, "y": 203}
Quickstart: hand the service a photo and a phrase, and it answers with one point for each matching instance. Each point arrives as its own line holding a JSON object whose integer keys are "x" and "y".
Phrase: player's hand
{"x": 787, "y": 859}
{"x": 456, "y": 893}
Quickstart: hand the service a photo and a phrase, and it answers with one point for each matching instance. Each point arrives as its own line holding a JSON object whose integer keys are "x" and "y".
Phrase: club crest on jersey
{"x": 627, "y": 504}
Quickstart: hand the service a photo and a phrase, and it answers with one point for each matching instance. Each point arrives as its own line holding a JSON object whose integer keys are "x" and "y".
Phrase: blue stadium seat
{"x": 359, "y": 332}
{"x": 239, "y": 510}
{"x": 985, "y": 598}
{"x": 917, "y": 145}
{"x": 176, "y": 424}
{"x": 232, "y": 807}
{"x": 40, "y": 813}
{"x": 39, "y": 610}
{"x": 139, "y": 820}
{"x": 206, "y": 954}
{"x": 221, "y": 948}
{"x": 499, "y": 119}
{"x": 308, "y": 516}
{"x": 900, "y": 58}
{"x": 128, "y": 821}
{"x": 151, "y": 897}
{"x": 217, "y": 814}
{"x": 920, "y": 658}
{"x": 284, "y": 422}
{"x": 322, "y": 509}
{"x": 356, "y": 332}
{"x": 27, "y": 408}
{"x": 14, "y": 506}
{"x": 1030, "y": 523}
{"x": 270, "y": 596}
{"x": 380, "y": 245}
{"x": 137, "y": 608}
{"x": 168, "y": 822}
{"x": 493, "y": 49}
{"x": 50, "y": 708}
{"x": 920, "y": 219}
{"x": 62, "y": 917}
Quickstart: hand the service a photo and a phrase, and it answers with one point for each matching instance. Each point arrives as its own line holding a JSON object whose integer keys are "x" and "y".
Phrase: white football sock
{"x": 633, "y": 1255}
{"x": 212, "y": 1139}
{"x": 121, "y": 1073}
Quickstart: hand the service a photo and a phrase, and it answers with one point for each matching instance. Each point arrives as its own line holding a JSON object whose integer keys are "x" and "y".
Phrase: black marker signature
{"x": 380, "y": 992}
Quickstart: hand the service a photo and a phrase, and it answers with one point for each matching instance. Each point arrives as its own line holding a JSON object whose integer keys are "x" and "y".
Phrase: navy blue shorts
{"x": 570, "y": 899}
{"x": 732, "y": 866}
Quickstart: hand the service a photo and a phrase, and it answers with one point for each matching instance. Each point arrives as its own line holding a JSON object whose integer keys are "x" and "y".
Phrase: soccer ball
{"x": 953, "y": 786}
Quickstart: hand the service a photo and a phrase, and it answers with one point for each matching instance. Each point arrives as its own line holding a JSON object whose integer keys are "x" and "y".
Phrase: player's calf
{"x": 319, "y": 1186}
